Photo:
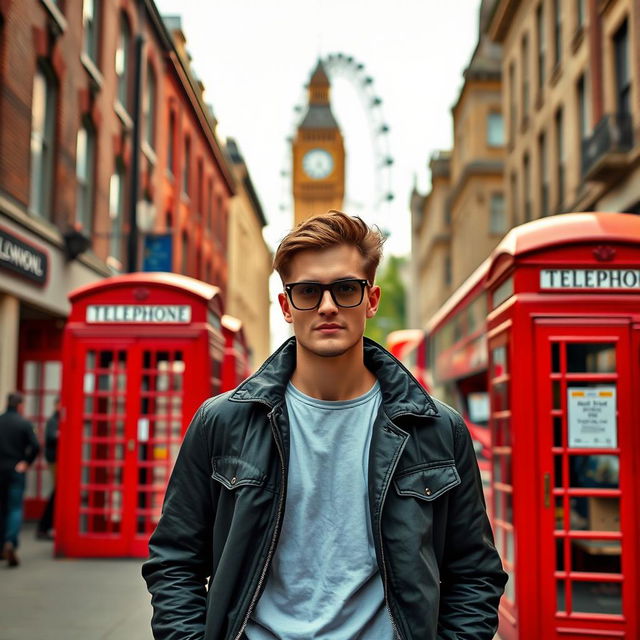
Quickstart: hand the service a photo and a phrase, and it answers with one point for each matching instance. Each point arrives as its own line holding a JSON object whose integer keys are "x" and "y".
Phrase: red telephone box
{"x": 563, "y": 335}
{"x": 236, "y": 353}
{"x": 141, "y": 352}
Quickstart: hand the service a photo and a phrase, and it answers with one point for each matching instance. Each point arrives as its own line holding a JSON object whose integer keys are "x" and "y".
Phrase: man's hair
{"x": 14, "y": 400}
{"x": 331, "y": 229}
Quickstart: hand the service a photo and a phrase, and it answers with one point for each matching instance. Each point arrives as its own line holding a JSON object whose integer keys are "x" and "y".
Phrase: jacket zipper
{"x": 275, "y": 531}
{"x": 382, "y": 561}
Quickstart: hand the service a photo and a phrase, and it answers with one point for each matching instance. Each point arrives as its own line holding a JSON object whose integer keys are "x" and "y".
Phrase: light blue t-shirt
{"x": 324, "y": 581}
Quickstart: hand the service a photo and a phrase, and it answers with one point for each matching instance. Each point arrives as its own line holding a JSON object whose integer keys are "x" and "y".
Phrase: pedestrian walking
{"x": 18, "y": 449}
{"x": 328, "y": 496}
{"x": 45, "y": 524}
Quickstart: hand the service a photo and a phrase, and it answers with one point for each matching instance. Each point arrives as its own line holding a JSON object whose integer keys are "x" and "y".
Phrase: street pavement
{"x": 48, "y": 598}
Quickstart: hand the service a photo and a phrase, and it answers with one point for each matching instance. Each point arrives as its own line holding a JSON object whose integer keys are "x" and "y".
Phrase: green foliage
{"x": 392, "y": 313}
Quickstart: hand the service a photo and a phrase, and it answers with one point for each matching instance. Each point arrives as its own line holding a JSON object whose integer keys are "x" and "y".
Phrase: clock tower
{"x": 318, "y": 154}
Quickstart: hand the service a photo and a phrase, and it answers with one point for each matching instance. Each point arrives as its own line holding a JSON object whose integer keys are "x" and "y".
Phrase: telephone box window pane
{"x": 560, "y": 566}
{"x": 497, "y": 468}
{"x": 501, "y": 396}
{"x": 510, "y": 588}
{"x": 499, "y": 541}
{"x": 498, "y": 498}
{"x": 559, "y": 471}
{"x": 561, "y": 599}
{"x": 31, "y": 375}
{"x": 597, "y": 597}
{"x": 559, "y": 513}
{"x": 596, "y": 556}
{"x": 499, "y": 361}
{"x": 603, "y": 514}
{"x": 558, "y": 440}
{"x": 557, "y": 399}
{"x": 591, "y": 357}
{"x": 52, "y": 375}
{"x": 555, "y": 357}
{"x": 594, "y": 472}
{"x": 509, "y": 544}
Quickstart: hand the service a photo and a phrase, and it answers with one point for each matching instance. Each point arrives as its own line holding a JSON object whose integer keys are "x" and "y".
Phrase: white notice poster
{"x": 592, "y": 417}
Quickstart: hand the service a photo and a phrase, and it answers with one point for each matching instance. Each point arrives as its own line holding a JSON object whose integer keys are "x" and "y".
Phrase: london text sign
{"x": 139, "y": 313}
{"x": 22, "y": 258}
{"x": 608, "y": 279}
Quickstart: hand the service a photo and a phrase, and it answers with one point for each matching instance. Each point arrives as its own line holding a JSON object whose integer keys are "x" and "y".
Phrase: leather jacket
{"x": 226, "y": 497}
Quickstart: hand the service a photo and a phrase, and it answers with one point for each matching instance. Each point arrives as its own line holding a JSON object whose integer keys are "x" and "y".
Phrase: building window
{"x": 200, "y": 191}
{"x": 525, "y": 76}
{"x": 184, "y": 262}
{"x": 497, "y": 218}
{"x": 495, "y": 129}
{"x": 186, "y": 166}
{"x": 583, "y": 109}
{"x": 543, "y": 175}
{"x": 91, "y": 26}
{"x": 447, "y": 270}
{"x": 557, "y": 32}
{"x": 526, "y": 176}
{"x": 85, "y": 164}
{"x": 116, "y": 213}
{"x": 43, "y": 107}
{"x": 559, "y": 126}
{"x": 150, "y": 108}
{"x": 122, "y": 62}
{"x": 512, "y": 102}
{"x": 171, "y": 149}
{"x": 622, "y": 70}
{"x": 581, "y": 13}
{"x": 542, "y": 46}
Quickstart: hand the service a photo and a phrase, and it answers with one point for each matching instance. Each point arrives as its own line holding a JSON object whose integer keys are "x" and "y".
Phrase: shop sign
{"x": 607, "y": 279}
{"x": 22, "y": 258}
{"x": 138, "y": 313}
{"x": 592, "y": 417}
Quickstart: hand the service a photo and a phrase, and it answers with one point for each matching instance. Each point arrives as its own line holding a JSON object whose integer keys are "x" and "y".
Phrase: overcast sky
{"x": 255, "y": 56}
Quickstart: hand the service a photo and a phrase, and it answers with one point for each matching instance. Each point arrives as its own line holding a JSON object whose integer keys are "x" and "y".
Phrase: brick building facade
{"x": 79, "y": 120}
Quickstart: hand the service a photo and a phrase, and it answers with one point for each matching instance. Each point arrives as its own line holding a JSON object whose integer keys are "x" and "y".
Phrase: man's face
{"x": 329, "y": 330}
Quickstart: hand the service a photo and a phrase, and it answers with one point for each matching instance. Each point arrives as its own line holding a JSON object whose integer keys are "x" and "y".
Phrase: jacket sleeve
{"x": 472, "y": 579}
{"x": 180, "y": 548}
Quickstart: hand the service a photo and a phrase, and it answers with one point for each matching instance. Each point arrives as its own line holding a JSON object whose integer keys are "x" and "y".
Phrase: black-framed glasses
{"x": 346, "y": 293}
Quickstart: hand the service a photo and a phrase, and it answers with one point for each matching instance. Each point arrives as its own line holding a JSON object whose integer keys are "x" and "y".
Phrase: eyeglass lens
{"x": 345, "y": 293}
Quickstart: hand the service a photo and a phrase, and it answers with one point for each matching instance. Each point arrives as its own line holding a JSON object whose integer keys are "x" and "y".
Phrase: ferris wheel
{"x": 340, "y": 65}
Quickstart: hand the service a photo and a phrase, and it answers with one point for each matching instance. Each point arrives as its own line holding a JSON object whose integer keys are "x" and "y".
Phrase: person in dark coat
{"x": 18, "y": 449}
{"x": 45, "y": 525}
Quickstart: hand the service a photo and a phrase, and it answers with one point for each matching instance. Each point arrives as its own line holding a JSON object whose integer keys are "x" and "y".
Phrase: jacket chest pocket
{"x": 233, "y": 472}
{"x": 427, "y": 482}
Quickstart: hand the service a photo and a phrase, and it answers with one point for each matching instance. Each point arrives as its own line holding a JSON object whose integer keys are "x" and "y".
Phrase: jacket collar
{"x": 401, "y": 393}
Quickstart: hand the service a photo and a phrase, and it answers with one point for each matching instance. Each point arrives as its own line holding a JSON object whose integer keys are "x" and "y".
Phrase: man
{"x": 328, "y": 496}
{"x": 45, "y": 525}
{"x": 18, "y": 449}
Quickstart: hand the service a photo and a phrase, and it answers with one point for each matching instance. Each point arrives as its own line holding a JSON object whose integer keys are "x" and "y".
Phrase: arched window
{"x": 123, "y": 62}
{"x": 43, "y": 107}
{"x": 186, "y": 166}
{"x": 150, "y": 107}
{"x": 85, "y": 166}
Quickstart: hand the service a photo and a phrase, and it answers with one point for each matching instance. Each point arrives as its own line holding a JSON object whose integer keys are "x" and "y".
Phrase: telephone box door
{"x": 131, "y": 419}
{"x": 586, "y": 424}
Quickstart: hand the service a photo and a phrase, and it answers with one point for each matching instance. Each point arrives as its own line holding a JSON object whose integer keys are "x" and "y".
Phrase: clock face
{"x": 317, "y": 163}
